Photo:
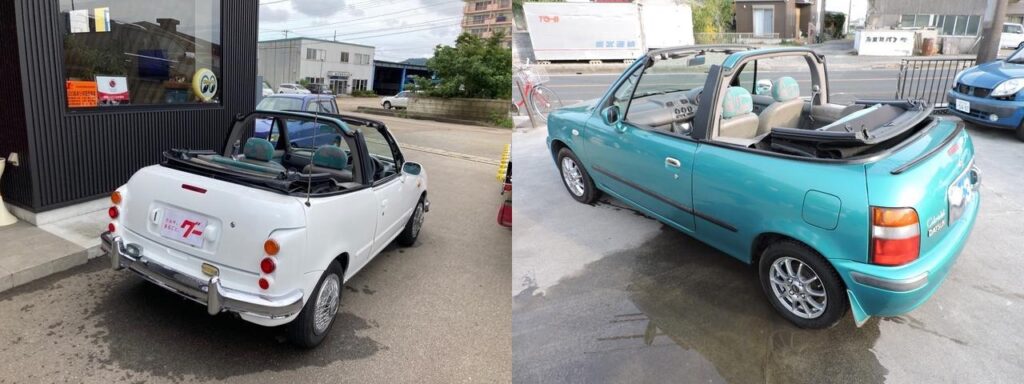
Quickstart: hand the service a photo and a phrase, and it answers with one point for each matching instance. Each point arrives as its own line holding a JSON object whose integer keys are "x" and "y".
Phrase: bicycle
{"x": 536, "y": 96}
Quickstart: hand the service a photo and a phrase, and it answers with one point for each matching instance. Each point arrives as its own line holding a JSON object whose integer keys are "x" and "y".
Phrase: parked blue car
{"x": 304, "y": 135}
{"x": 862, "y": 207}
{"x": 990, "y": 94}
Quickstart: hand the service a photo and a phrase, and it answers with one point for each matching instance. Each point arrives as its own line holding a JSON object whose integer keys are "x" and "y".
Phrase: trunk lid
{"x": 920, "y": 175}
{"x": 220, "y": 222}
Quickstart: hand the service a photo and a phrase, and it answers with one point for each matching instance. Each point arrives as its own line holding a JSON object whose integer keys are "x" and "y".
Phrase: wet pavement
{"x": 604, "y": 294}
{"x": 434, "y": 312}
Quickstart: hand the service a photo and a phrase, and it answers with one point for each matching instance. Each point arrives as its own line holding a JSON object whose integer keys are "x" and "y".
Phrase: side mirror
{"x": 610, "y": 115}
{"x": 412, "y": 168}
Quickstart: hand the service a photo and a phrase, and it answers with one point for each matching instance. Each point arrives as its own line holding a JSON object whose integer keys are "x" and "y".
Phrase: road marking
{"x": 455, "y": 155}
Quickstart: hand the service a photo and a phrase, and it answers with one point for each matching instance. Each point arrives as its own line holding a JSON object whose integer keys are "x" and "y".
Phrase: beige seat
{"x": 785, "y": 111}
{"x": 738, "y": 118}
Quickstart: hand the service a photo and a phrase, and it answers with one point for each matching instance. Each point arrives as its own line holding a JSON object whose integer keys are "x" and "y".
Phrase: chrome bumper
{"x": 210, "y": 293}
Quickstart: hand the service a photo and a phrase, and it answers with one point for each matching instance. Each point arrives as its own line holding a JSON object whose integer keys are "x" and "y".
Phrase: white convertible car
{"x": 270, "y": 229}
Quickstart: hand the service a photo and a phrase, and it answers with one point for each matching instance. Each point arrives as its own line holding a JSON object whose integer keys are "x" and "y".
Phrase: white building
{"x": 344, "y": 67}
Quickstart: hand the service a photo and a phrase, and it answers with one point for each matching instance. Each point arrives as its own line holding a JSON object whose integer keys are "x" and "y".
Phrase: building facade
{"x": 784, "y": 19}
{"x": 958, "y": 22}
{"x": 484, "y": 18}
{"x": 95, "y": 92}
{"x": 344, "y": 67}
{"x": 390, "y": 78}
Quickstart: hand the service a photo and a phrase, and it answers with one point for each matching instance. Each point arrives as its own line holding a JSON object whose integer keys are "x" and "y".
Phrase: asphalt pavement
{"x": 603, "y": 294}
{"x": 434, "y": 312}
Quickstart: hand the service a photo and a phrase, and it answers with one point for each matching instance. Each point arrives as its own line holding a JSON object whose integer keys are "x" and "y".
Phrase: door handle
{"x": 672, "y": 162}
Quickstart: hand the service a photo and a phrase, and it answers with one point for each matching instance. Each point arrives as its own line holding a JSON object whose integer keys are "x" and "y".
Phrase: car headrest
{"x": 786, "y": 88}
{"x": 330, "y": 156}
{"x": 258, "y": 149}
{"x": 737, "y": 102}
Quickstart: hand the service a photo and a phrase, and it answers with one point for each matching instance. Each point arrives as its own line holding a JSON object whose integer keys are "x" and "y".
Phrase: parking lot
{"x": 436, "y": 312}
{"x": 603, "y": 294}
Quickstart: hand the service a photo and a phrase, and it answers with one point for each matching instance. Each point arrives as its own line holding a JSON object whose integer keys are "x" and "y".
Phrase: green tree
{"x": 712, "y": 16}
{"x": 473, "y": 68}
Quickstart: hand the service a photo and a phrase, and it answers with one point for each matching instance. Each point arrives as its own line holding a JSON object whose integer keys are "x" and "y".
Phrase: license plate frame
{"x": 963, "y": 106}
{"x": 183, "y": 226}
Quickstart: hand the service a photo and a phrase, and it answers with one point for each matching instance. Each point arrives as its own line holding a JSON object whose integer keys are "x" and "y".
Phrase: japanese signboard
{"x": 81, "y": 94}
{"x": 884, "y": 43}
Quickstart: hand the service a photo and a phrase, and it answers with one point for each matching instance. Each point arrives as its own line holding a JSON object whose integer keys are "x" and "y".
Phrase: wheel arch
{"x": 556, "y": 146}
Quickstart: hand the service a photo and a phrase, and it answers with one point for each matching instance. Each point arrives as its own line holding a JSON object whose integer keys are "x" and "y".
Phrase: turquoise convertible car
{"x": 861, "y": 207}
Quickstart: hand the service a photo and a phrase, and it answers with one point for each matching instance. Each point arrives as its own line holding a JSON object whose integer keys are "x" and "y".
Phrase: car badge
{"x": 210, "y": 270}
{"x": 937, "y": 223}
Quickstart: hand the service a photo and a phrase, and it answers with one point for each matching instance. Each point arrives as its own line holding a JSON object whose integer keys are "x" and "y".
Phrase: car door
{"x": 388, "y": 185}
{"x": 1012, "y": 35}
{"x": 646, "y": 166}
{"x": 402, "y": 100}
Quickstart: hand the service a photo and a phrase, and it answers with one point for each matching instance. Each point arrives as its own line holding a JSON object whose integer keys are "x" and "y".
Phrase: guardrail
{"x": 733, "y": 38}
{"x": 928, "y": 79}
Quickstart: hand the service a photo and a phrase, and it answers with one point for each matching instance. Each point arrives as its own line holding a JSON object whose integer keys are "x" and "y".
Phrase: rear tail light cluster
{"x": 114, "y": 212}
{"x": 895, "y": 236}
{"x": 269, "y": 263}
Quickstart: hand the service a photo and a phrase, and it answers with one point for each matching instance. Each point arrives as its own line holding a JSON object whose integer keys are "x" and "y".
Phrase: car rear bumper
{"x": 209, "y": 292}
{"x": 891, "y": 291}
{"x": 1009, "y": 113}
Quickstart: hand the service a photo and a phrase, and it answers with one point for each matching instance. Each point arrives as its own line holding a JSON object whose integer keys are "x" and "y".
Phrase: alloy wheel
{"x": 572, "y": 176}
{"x": 798, "y": 288}
{"x": 326, "y": 303}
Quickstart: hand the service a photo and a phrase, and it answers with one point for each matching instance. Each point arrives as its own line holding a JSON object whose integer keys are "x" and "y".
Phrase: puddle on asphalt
{"x": 149, "y": 330}
{"x": 708, "y": 304}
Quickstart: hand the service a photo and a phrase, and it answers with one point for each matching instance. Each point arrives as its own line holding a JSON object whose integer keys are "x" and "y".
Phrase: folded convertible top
{"x": 853, "y": 134}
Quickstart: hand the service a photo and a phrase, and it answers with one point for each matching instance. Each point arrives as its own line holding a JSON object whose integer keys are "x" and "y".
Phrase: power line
{"x": 375, "y": 16}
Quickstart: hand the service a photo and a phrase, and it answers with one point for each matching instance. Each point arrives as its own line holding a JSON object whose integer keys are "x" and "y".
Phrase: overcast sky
{"x": 399, "y": 29}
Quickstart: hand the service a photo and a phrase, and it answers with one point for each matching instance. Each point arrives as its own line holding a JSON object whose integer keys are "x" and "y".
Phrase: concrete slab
{"x": 31, "y": 253}
{"x": 82, "y": 230}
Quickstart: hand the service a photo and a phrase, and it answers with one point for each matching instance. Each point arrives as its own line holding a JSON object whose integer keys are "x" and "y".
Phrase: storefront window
{"x": 137, "y": 52}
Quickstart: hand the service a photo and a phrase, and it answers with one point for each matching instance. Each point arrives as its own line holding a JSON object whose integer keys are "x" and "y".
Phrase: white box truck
{"x": 606, "y": 31}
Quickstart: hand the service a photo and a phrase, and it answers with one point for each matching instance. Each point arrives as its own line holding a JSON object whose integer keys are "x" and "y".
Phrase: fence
{"x": 735, "y": 38}
{"x": 928, "y": 79}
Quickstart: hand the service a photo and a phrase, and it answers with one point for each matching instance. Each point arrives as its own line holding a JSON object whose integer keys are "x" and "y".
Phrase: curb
{"x": 13, "y": 279}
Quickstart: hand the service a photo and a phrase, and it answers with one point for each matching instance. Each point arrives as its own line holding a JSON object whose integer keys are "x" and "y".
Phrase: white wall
{"x": 285, "y": 61}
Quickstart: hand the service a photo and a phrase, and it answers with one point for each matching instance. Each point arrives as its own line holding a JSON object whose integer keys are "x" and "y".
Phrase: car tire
{"x": 1020, "y": 45}
{"x": 799, "y": 301}
{"x": 412, "y": 228}
{"x": 575, "y": 177}
{"x": 387, "y": 105}
{"x": 308, "y": 330}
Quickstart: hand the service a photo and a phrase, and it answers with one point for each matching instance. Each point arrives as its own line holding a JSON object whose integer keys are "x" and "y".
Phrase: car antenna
{"x": 316, "y": 132}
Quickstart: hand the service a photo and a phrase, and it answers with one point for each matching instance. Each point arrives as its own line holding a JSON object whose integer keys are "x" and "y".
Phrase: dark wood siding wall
{"x": 84, "y": 155}
{"x": 17, "y": 181}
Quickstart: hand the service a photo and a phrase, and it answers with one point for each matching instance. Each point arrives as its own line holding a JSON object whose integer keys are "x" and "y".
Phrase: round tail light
{"x": 113, "y": 212}
{"x": 264, "y": 283}
{"x": 271, "y": 247}
{"x": 268, "y": 265}
{"x": 115, "y": 198}
{"x": 111, "y": 227}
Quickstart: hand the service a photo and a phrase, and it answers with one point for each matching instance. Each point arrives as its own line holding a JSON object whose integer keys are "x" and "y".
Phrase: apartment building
{"x": 484, "y": 18}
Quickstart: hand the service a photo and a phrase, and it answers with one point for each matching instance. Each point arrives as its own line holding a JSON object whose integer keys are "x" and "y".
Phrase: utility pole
{"x": 991, "y": 30}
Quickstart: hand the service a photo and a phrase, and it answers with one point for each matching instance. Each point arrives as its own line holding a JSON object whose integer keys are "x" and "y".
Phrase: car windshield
{"x": 1017, "y": 57}
{"x": 674, "y": 73}
{"x": 280, "y": 104}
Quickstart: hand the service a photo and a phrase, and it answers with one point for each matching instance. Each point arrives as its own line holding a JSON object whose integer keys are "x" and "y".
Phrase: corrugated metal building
{"x": 95, "y": 90}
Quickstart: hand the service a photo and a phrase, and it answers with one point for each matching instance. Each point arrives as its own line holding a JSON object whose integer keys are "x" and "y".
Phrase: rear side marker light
{"x": 115, "y": 198}
{"x": 111, "y": 228}
{"x": 193, "y": 188}
{"x": 264, "y": 283}
{"x": 895, "y": 236}
{"x": 268, "y": 265}
{"x": 113, "y": 212}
